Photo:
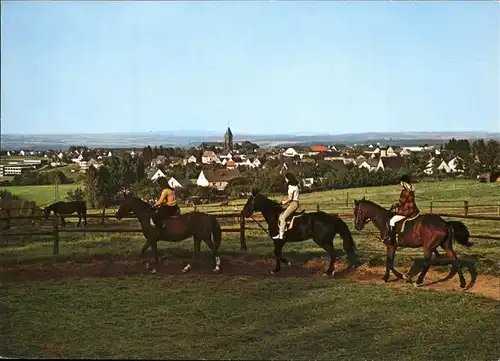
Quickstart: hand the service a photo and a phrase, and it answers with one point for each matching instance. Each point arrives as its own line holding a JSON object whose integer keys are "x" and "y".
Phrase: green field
{"x": 70, "y": 171}
{"x": 224, "y": 317}
{"x": 95, "y": 299}
{"x": 42, "y": 195}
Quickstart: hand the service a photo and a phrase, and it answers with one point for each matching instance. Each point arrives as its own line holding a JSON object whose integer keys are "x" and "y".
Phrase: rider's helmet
{"x": 405, "y": 178}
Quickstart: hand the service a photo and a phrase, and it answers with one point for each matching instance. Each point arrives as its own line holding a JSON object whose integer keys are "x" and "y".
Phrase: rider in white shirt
{"x": 292, "y": 201}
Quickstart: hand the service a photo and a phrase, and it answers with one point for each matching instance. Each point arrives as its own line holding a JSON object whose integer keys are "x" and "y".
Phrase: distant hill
{"x": 194, "y": 138}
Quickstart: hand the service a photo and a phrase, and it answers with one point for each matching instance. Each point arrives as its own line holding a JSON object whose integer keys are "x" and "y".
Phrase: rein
{"x": 259, "y": 224}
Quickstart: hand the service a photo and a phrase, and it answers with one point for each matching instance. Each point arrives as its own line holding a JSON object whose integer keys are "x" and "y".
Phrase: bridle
{"x": 256, "y": 221}
{"x": 370, "y": 219}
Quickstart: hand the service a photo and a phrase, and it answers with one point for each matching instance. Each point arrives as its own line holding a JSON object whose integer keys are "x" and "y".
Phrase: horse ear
{"x": 355, "y": 202}
{"x": 363, "y": 198}
{"x": 255, "y": 191}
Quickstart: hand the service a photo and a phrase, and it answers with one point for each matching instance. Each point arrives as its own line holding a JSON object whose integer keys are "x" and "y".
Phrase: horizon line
{"x": 204, "y": 133}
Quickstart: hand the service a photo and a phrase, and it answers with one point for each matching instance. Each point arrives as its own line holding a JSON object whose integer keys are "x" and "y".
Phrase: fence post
{"x": 103, "y": 215}
{"x": 243, "y": 244}
{"x": 317, "y": 207}
{"x": 498, "y": 208}
{"x": 55, "y": 249}
{"x": 347, "y": 199}
{"x": 33, "y": 217}
{"x": 466, "y": 207}
{"x": 431, "y": 206}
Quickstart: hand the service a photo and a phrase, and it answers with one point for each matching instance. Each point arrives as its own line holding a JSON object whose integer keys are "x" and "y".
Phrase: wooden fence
{"x": 55, "y": 230}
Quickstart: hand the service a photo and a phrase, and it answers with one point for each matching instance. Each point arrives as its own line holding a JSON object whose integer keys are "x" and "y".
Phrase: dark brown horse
{"x": 428, "y": 231}
{"x": 66, "y": 208}
{"x": 321, "y": 227}
{"x": 201, "y": 226}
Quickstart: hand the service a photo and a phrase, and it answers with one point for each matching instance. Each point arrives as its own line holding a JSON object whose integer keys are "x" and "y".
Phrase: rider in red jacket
{"x": 405, "y": 207}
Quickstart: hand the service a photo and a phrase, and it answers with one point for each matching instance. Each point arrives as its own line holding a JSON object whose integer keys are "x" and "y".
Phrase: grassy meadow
{"x": 224, "y": 317}
{"x": 42, "y": 195}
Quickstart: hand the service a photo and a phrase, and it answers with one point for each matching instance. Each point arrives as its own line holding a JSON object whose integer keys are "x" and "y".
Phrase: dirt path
{"x": 485, "y": 285}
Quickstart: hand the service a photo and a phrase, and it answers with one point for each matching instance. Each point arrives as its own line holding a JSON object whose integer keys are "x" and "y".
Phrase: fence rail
{"x": 56, "y": 230}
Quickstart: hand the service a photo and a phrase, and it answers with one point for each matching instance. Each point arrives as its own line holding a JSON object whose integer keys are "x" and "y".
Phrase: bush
{"x": 41, "y": 178}
{"x": 77, "y": 195}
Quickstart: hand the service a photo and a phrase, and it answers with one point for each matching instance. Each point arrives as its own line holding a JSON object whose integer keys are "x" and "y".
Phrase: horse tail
{"x": 348, "y": 242}
{"x": 216, "y": 232}
{"x": 460, "y": 232}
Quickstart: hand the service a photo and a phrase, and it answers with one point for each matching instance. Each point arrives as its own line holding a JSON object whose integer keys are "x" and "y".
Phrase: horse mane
{"x": 138, "y": 200}
{"x": 268, "y": 202}
{"x": 378, "y": 206}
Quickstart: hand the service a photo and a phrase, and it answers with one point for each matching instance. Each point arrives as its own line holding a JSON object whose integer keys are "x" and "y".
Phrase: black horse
{"x": 60, "y": 208}
{"x": 201, "y": 226}
{"x": 425, "y": 230}
{"x": 320, "y": 226}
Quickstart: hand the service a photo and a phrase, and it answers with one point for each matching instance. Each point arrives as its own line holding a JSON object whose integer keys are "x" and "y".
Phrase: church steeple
{"x": 228, "y": 139}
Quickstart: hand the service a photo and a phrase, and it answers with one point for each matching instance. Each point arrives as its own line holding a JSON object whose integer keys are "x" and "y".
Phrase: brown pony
{"x": 429, "y": 231}
{"x": 60, "y": 208}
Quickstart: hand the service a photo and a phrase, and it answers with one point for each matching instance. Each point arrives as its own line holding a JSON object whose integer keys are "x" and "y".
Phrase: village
{"x": 223, "y": 161}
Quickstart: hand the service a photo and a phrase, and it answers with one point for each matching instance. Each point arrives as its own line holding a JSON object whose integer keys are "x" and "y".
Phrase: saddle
{"x": 400, "y": 226}
{"x": 289, "y": 220}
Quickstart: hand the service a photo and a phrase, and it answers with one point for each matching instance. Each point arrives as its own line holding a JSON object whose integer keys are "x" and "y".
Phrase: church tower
{"x": 228, "y": 139}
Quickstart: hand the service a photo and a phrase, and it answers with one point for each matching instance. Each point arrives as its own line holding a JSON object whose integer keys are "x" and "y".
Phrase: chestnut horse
{"x": 425, "y": 230}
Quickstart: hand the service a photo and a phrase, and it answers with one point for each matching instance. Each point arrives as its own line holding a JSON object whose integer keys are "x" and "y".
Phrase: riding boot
{"x": 389, "y": 236}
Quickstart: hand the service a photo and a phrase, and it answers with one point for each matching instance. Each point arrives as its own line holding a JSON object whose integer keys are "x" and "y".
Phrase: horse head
{"x": 365, "y": 211}
{"x": 259, "y": 202}
{"x": 131, "y": 205}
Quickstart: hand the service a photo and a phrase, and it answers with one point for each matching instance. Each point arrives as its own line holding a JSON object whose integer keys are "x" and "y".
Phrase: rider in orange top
{"x": 167, "y": 204}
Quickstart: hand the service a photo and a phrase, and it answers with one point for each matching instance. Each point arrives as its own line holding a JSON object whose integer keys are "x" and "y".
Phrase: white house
{"x": 217, "y": 178}
{"x": 74, "y": 160}
{"x": 227, "y": 156}
{"x": 174, "y": 183}
{"x": 84, "y": 165}
{"x": 191, "y": 159}
{"x": 391, "y": 153}
{"x": 414, "y": 149}
{"x": 454, "y": 165}
{"x": 442, "y": 167}
{"x": 405, "y": 153}
{"x": 157, "y": 174}
{"x": 209, "y": 156}
{"x": 290, "y": 152}
{"x": 368, "y": 164}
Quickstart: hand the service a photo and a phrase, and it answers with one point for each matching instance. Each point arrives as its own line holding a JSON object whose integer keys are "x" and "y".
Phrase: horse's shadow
{"x": 465, "y": 262}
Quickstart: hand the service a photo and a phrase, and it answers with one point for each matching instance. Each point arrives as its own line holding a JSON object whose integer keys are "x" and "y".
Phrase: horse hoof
{"x": 385, "y": 279}
{"x": 289, "y": 264}
{"x": 147, "y": 265}
{"x": 153, "y": 271}
{"x": 216, "y": 270}
{"x": 416, "y": 285}
{"x": 272, "y": 271}
{"x": 406, "y": 277}
{"x": 187, "y": 268}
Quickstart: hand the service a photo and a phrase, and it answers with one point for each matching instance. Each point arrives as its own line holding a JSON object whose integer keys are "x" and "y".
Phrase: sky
{"x": 266, "y": 67}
